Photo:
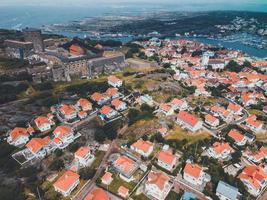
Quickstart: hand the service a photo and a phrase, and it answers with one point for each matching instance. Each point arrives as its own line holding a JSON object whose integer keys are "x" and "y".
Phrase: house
{"x": 18, "y": 136}
{"x": 238, "y": 138}
{"x": 67, "y": 183}
{"x": 257, "y": 156}
{"x": 254, "y": 124}
{"x": 226, "y": 115}
{"x": 194, "y": 174}
{"x": 112, "y": 93}
{"x": 220, "y": 150}
{"x": 163, "y": 131}
{"x": 254, "y": 178}
{"x": 225, "y": 191}
{"x": 166, "y": 160}
{"x": 142, "y": 147}
{"x": 43, "y": 123}
{"x": 125, "y": 167}
{"x": 108, "y": 112}
{"x": 84, "y": 156}
{"x": 84, "y": 104}
{"x": 68, "y": 111}
{"x": 107, "y": 178}
{"x": 157, "y": 185}
{"x": 39, "y": 147}
{"x": 235, "y": 109}
{"x": 216, "y": 63}
{"x": 114, "y": 81}
{"x": 82, "y": 114}
{"x": 63, "y": 136}
{"x": 166, "y": 109}
{"x": 189, "y": 121}
{"x": 99, "y": 98}
{"x": 97, "y": 194}
{"x": 179, "y": 104}
{"x": 211, "y": 120}
{"x": 146, "y": 99}
{"x": 119, "y": 105}
{"x": 123, "y": 191}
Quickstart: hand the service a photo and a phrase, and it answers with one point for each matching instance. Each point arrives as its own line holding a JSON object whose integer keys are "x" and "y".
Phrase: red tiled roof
{"x": 188, "y": 118}
{"x": 97, "y": 194}
{"x": 66, "y": 181}
{"x": 193, "y": 170}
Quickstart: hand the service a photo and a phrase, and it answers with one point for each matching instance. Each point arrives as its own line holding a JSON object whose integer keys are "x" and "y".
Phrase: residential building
{"x": 254, "y": 178}
{"x": 220, "y": 150}
{"x": 189, "y": 121}
{"x": 63, "y": 136}
{"x": 211, "y": 120}
{"x": 157, "y": 185}
{"x": 68, "y": 111}
{"x": 82, "y": 114}
{"x": 112, "y": 93}
{"x": 39, "y": 147}
{"x": 43, "y": 123}
{"x": 166, "y": 109}
{"x": 235, "y": 109}
{"x": 238, "y": 138}
{"x": 123, "y": 191}
{"x": 119, "y": 105}
{"x": 99, "y": 98}
{"x": 107, "y": 178}
{"x": 97, "y": 194}
{"x": 194, "y": 174}
{"x": 254, "y": 124}
{"x": 179, "y": 104}
{"x": 163, "y": 131}
{"x": 108, "y": 112}
{"x": 143, "y": 147}
{"x": 166, "y": 160}
{"x": 18, "y": 136}
{"x": 114, "y": 81}
{"x": 225, "y": 191}
{"x": 258, "y": 156}
{"x": 67, "y": 183}
{"x": 84, "y": 104}
{"x": 84, "y": 156}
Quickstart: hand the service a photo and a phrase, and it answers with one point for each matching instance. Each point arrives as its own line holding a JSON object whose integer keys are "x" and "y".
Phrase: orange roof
{"x": 234, "y": 107}
{"x": 67, "y": 109}
{"x": 210, "y": 118}
{"x": 98, "y": 46}
{"x": 253, "y": 122}
{"x": 30, "y": 130}
{"x": 188, "y": 118}
{"x": 166, "y": 157}
{"x": 236, "y": 135}
{"x": 62, "y": 131}
{"x": 165, "y": 107}
{"x": 66, "y": 181}
{"x": 83, "y": 102}
{"x": 40, "y": 121}
{"x": 17, "y": 132}
{"x": 116, "y": 102}
{"x": 176, "y": 101}
{"x": 111, "y": 92}
{"x": 82, "y": 152}
{"x": 107, "y": 176}
{"x": 142, "y": 145}
{"x": 255, "y": 175}
{"x": 163, "y": 130}
{"x": 76, "y": 50}
{"x": 193, "y": 170}
{"x": 124, "y": 163}
{"x": 82, "y": 114}
{"x": 97, "y": 194}
{"x": 105, "y": 110}
{"x": 36, "y": 144}
{"x": 221, "y": 147}
{"x": 113, "y": 79}
{"x": 158, "y": 178}
{"x": 97, "y": 96}
{"x": 123, "y": 191}
{"x": 217, "y": 109}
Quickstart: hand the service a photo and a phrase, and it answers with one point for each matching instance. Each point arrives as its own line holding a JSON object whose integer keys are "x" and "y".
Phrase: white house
{"x": 114, "y": 81}
{"x": 119, "y": 105}
{"x": 220, "y": 150}
{"x": 63, "y": 136}
{"x": 84, "y": 156}
{"x": 194, "y": 174}
{"x": 68, "y": 111}
{"x": 107, "y": 178}
{"x": 99, "y": 98}
{"x": 39, "y": 147}
{"x": 157, "y": 185}
{"x": 166, "y": 160}
{"x": 216, "y": 63}
{"x": 67, "y": 183}
{"x": 166, "y": 109}
{"x": 235, "y": 109}
{"x": 211, "y": 120}
{"x": 142, "y": 147}
{"x": 108, "y": 112}
{"x": 179, "y": 104}
{"x": 18, "y": 136}
{"x": 84, "y": 104}
{"x": 239, "y": 138}
{"x": 254, "y": 124}
{"x": 43, "y": 123}
{"x": 189, "y": 121}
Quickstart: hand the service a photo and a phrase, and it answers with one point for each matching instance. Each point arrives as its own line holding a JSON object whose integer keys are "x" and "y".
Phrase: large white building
{"x": 84, "y": 156}
{"x": 194, "y": 174}
{"x": 189, "y": 121}
{"x": 142, "y": 147}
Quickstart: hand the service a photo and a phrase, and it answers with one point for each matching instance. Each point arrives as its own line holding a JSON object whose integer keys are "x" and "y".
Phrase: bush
{"x": 57, "y": 165}
{"x": 87, "y": 173}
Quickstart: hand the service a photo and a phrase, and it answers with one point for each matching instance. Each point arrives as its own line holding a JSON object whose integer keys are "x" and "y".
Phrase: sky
{"x": 90, "y": 2}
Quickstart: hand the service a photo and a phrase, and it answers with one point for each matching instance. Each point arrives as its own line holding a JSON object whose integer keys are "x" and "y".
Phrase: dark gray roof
{"x": 227, "y": 190}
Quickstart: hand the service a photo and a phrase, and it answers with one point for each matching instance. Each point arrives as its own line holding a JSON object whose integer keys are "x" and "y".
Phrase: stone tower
{"x": 34, "y": 35}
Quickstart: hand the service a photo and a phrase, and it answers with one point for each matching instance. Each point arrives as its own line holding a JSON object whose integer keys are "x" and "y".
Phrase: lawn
{"x": 255, "y": 112}
{"x": 180, "y": 134}
{"x": 98, "y": 158}
{"x": 261, "y": 136}
{"x": 140, "y": 197}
